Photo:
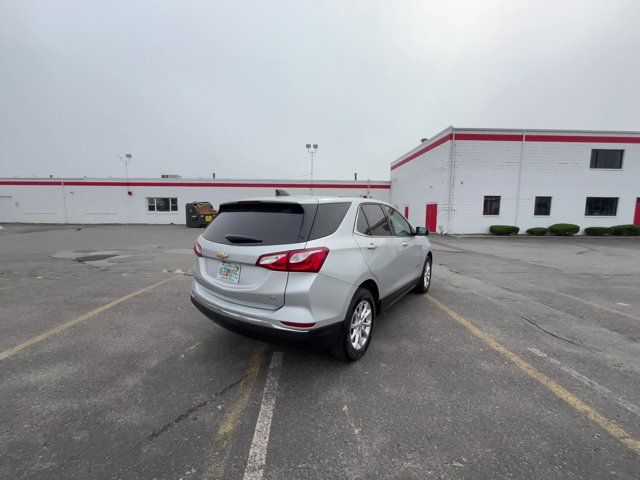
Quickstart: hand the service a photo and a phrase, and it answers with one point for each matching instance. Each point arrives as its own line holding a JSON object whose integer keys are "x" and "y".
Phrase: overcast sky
{"x": 238, "y": 88}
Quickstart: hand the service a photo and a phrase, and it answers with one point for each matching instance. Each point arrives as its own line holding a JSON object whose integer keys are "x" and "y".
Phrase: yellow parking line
{"x": 65, "y": 326}
{"x": 613, "y": 428}
{"x": 232, "y": 419}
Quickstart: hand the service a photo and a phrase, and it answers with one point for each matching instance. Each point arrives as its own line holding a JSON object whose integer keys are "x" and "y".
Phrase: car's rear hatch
{"x": 239, "y": 234}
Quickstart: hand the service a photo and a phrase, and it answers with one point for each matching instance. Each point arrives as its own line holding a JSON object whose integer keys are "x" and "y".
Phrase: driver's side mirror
{"x": 422, "y": 231}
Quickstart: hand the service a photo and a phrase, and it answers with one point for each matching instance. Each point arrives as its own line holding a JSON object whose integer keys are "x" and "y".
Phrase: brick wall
{"x": 424, "y": 179}
{"x": 498, "y": 162}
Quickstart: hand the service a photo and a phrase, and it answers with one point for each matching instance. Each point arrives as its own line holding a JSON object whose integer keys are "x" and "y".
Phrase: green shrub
{"x": 503, "y": 229}
{"x": 598, "y": 231}
{"x": 564, "y": 229}
{"x": 626, "y": 230}
{"x": 538, "y": 231}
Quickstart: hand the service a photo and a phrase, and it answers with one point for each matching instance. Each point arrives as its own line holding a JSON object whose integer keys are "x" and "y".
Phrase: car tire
{"x": 424, "y": 282}
{"x": 357, "y": 327}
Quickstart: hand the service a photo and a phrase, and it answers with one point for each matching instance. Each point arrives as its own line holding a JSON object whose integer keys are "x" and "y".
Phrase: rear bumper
{"x": 319, "y": 338}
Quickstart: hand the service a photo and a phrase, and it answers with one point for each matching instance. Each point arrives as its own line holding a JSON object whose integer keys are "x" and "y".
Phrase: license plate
{"x": 208, "y": 218}
{"x": 230, "y": 272}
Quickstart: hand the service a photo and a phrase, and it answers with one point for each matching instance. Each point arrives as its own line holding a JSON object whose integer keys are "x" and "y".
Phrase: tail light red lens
{"x": 273, "y": 261}
{"x": 307, "y": 260}
{"x": 197, "y": 249}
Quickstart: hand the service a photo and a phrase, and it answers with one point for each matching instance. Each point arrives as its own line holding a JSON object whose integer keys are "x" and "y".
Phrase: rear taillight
{"x": 307, "y": 260}
{"x": 197, "y": 249}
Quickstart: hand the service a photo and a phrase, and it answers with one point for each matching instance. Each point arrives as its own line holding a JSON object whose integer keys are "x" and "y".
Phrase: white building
{"x": 464, "y": 180}
{"x": 459, "y": 181}
{"x": 66, "y": 200}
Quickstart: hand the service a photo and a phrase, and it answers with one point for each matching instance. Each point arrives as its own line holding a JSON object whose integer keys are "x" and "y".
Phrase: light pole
{"x": 312, "y": 148}
{"x": 126, "y": 160}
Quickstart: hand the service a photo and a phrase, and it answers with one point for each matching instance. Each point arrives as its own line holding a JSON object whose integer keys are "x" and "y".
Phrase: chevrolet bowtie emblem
{"x": 222, "y": 256}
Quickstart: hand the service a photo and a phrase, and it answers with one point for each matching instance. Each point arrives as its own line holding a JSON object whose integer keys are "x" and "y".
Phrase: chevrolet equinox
{"x": 308, "y": 269}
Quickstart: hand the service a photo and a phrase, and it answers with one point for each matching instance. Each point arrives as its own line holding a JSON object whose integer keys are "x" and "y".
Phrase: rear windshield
{"x": 257, "y": 223}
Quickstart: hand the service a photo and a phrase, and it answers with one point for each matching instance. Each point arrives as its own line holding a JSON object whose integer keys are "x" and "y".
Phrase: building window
{"x": 601, "y": 206}
{"x": 601, "y": 158}
{"x": 542, "y": 206}
{"x": 491, "y": 205}
{"x": 162, "y": 204}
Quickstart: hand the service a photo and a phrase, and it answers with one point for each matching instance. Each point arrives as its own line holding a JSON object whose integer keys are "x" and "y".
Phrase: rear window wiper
{"x": 242, "y": 238}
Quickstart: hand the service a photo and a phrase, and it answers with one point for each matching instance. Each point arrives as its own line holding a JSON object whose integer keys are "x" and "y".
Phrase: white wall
{"x": 483, "y": 168}
{"x": 499, "y": 162}
{"x": 107, "y": 201}
{"x": 562, "y": 171}
{"x": 422, "y": 180}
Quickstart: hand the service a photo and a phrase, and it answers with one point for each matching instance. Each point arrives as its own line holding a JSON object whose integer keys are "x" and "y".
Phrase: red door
{"x": 431, "y": 219}
{"x": 636, "y": 217}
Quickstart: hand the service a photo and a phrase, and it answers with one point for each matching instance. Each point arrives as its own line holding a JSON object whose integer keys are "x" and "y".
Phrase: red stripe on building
{"x": 422, "y": 151}
{"x": 490, "y": 137}
{"x": 581, "y": 139}
{"x": 80, "y": 183}
{"x": 29, "y": 182}
{"x": 509, "y": 137}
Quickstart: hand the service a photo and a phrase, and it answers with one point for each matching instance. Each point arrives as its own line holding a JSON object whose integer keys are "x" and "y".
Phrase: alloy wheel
{"x": 426, "y": 278}
{"x": 360, "y": 327}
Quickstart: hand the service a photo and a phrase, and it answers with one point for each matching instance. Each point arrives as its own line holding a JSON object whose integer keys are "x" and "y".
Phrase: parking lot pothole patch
{"x": 96, "y": 258}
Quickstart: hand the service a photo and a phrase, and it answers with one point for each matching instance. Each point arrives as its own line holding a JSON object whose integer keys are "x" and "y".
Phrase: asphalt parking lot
{"x": 522, "y": 362}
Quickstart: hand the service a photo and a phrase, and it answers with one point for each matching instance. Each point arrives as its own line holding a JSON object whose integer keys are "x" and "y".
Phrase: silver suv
{"x": 308, "y": 269}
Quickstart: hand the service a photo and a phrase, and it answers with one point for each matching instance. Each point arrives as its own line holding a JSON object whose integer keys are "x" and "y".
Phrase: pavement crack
{"x": 542, "y": 329}
{"x": 183, "y": 416}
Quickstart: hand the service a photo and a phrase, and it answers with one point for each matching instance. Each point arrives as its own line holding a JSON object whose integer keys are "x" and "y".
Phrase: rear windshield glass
{"x": 257, "y": 223}
{"x": 328, "y": 218}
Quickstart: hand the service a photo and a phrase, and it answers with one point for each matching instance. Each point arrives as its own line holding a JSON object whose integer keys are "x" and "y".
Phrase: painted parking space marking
{"x": 608, "y": 425}
{"x": 67, "y": 325}
{"x": 260, "y": 442}
{"x": 587, "y": 381}
{"x": 223, "y": 440}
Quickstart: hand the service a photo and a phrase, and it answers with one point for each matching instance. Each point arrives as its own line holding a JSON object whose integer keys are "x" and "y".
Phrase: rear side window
{"x": 257, "y": 223}
{"x": 361, "y": 224}
{"x": 377, "y": 221}
{"x": 329, "y": 216}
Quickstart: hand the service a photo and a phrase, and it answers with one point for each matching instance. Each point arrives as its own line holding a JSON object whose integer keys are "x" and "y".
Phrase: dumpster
{"x": 199, "y": 214}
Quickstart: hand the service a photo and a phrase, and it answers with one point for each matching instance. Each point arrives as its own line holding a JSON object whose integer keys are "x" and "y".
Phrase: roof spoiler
{"x": 281, "y": 193}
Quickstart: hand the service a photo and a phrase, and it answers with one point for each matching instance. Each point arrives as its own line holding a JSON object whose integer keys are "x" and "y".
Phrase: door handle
{"x": 372, "y": 246}
{"x": 404, "y": 244}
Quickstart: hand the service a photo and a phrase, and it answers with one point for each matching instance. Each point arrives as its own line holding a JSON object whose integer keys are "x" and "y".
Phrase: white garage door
{"x": 7, "y": 210}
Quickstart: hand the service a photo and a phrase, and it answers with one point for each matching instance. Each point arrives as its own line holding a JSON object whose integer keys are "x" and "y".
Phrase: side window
{"x": 606, "y": 158}
{"x": 378, "y": 225}
{"x": 399, "y": 226}
{"x": 542, "y": 206}
{"x": 161, "y": 204}
{"x": 361, "y": 223}
{"x": 491, "y": 205}
{"x": 329, "y": 216}
{"x": 601, "y": 206}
